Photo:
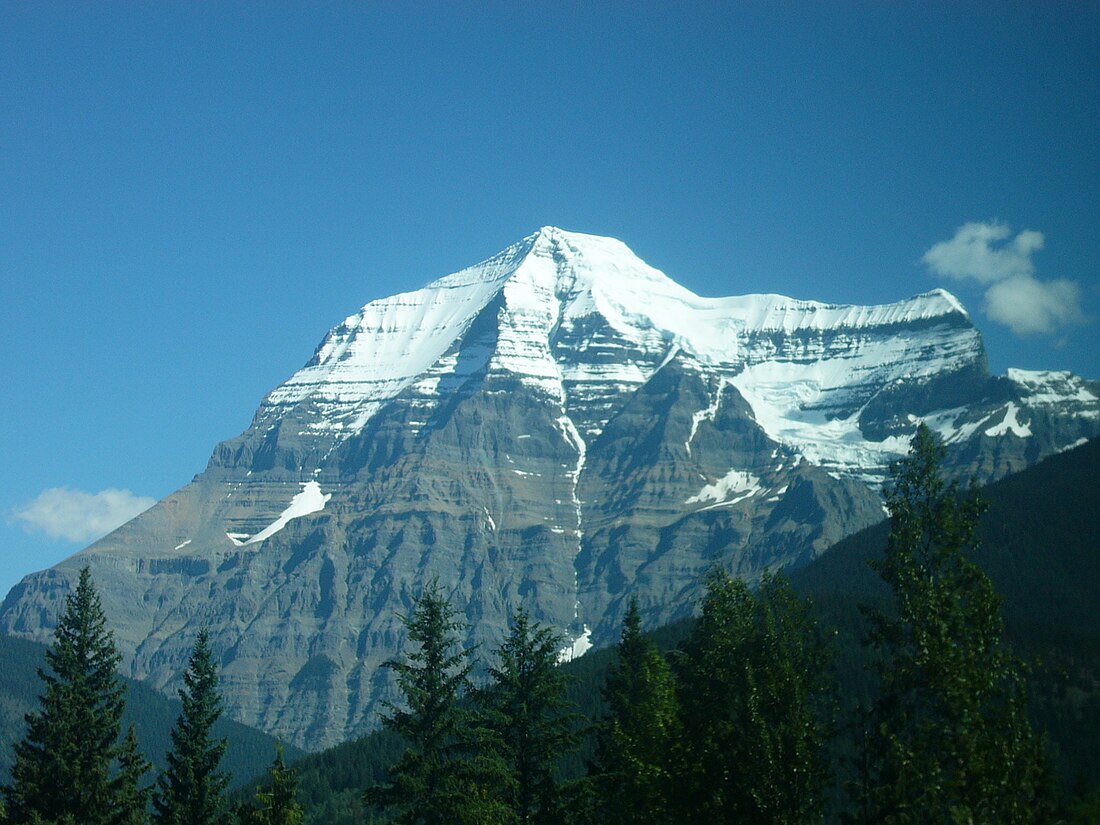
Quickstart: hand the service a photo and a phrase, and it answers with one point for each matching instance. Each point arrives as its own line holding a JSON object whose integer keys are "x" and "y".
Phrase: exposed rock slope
{"x": 560, "y": 426}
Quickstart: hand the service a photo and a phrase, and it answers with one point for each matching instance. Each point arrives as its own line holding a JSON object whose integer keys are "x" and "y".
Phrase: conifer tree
{"x": 950, "y": 741}
{"x": 636, "y": 738}
{"x": 192, "y": 789}
{"x": 442, "y": 778}
{"x": 756, "y": 709}
{"x": 64, "y": 766}
{"x": 527, "y": 708}
{"x": 278, "y": 797}
{"x": 132, "y": 800}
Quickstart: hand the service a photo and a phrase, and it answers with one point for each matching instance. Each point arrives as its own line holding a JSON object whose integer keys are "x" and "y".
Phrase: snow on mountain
{"x": 579, "y": 313}
{"x": 310, "y": 500}
{"x": 561, "y": 427}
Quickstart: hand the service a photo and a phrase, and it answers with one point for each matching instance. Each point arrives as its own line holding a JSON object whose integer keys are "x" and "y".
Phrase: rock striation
{"x": 560, "y": 427}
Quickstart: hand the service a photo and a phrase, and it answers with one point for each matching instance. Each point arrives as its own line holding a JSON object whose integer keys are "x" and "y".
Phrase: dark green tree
{"x": 756, "y": 707}
{"x": 636, "y": 738}
{"x": 191, "y": 791}
{"x": 132, "y": 800}
{"x": 445, "y": 775}
{"x": 949, "y": 740}
{"x": 527, "y": 708}
{"x": 277, "y": 799}
{"x": 65, "y": 766}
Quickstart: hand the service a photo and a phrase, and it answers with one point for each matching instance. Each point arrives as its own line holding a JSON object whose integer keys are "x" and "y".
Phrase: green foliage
{"x": 1083, "y": 808}
{"x": 279, "y": 800}
{"x": 192, "y": 790}
{"x": 441, "y": 778}
{"x": 756, "y": 700}
{"x": 331, "y": 783}
{"x": 276, "y": 799}
{"x": 132, "y": 799}
{"x": 527, "y": 709}
{"x": 637, "y": 735}
{"x": 64, "y": 766}
{"x": 148, "y": 711}
{"x": 949, "y": 738}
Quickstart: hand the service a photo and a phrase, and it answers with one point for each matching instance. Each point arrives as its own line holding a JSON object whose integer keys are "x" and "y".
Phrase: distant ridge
{"x": 153, "y": 714}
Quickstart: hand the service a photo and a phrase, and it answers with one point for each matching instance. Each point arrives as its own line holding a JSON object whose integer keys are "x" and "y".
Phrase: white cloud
{"x": 986, "y": 253}
{"x": 976, "y": 253}
{"x": 78, "y": 516}
{"x": 1027, "y": 305}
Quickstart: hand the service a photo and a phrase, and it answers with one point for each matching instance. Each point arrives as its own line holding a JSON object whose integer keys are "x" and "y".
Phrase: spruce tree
{"x": 64, "y": 767}
{"x": 949, "y": 741}
{"x": 132, "y": 800}
{"x": 756, "y": 704}
{"x": 636, "y": 738}
{"x": 528, "y": 710}
{"x": 192, "y": 789}
{"x": 442, "y": 778}
{"x": 278, "y": 797}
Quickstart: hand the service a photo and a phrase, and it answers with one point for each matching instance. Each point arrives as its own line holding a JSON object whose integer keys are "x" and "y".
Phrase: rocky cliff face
{"x": 561, "y": 427}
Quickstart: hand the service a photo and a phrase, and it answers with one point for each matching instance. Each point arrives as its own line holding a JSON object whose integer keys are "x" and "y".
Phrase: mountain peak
{"x": 560, "y": 426}
{"x": 552, "y": 283}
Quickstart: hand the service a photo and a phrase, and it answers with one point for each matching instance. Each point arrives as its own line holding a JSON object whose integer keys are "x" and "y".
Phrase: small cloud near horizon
{"x": 986, "y": 253}
{"x": 74, "y": 515}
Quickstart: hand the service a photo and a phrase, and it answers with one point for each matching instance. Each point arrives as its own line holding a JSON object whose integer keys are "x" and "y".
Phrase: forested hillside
{"x": 152, "y": 713}
{"x": 1040, "y": 546}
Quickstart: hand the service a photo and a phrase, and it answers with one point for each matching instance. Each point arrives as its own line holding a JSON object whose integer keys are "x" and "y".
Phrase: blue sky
{"x": 192, "y": 194}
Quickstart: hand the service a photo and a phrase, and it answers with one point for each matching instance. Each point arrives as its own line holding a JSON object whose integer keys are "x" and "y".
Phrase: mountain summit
{"x": 560, "y": 426}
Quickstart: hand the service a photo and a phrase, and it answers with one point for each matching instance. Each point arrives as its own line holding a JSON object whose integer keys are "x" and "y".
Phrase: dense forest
{"x": 890, "y": 693}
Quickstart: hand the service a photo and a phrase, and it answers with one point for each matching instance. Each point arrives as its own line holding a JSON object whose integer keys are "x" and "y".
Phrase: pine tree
{"x": 63, "y": 767}
{"x": 527, "y": 707}
{"x": 132, "y": 806}
{"x": 192, "y": 789}
{"x": 636, "y": 738}
{"x": 278, "y": 798}
{"x": 442, "y": 778}
{"x": 756, "y": 709}
{"x": 950, "y": 741}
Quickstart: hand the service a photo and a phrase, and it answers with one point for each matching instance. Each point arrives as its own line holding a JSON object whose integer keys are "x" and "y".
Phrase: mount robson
{"x": 560, "y": 427}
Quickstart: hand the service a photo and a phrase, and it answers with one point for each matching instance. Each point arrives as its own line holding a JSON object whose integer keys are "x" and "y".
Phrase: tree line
{"x": 74, "y": 767}
{"x": 737, "y": 725}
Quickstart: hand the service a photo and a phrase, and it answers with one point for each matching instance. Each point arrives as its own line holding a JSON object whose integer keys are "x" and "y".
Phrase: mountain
{"x": 560, "y": 426}
{"x": 1039, "y": 545}
{"x": 152, "y": 714}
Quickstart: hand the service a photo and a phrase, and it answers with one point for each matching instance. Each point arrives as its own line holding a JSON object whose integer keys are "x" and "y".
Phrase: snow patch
{"x": 1009, "y": 425}
{"x": 579, "y": 646}
{"x": 707, "y": 414}
{"x": 738, "y": 483}
{"x": 1049, "y": 387}
{"x": 309, "y": 500}
{"x": 182, "y": 544}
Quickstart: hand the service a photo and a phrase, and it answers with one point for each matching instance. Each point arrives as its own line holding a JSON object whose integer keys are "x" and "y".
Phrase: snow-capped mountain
{"x": 561, "y": 426}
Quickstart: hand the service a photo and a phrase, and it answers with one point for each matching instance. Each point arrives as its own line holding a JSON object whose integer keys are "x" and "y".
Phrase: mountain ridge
{"x": 556, "y": 427}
